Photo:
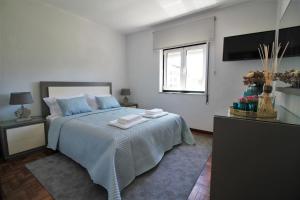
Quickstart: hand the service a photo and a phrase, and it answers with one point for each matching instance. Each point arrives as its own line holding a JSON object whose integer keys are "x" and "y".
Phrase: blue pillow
{"x": 73, "y": 106}
{"x": 107, "y": 102}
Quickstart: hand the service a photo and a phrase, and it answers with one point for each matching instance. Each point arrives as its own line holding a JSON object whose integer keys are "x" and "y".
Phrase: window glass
{"x": 195, "y": 70}
{"x": 185, "y": 69}
{"x": 173, "y": 70}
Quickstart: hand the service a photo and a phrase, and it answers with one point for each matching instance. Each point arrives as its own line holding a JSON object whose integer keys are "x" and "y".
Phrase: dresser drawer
{"x": 25, "y": 138}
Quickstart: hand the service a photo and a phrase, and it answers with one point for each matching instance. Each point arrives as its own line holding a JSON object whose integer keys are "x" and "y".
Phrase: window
{"x": 185, "y": 69}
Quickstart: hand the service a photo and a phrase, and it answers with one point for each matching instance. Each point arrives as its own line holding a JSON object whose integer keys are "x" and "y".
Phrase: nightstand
{"x": 132, "y": 105}
{"x": 19, "y": 138}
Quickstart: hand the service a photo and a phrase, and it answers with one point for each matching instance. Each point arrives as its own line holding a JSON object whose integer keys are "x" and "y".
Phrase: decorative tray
{"x": 267, "y": 115}
{"x": 244, "y": 113}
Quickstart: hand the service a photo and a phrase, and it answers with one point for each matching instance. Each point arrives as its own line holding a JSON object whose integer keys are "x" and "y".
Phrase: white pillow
{"x": 50, "y": 118}
{"x": 53, "y": 106}
{"x": 91, "y": 99}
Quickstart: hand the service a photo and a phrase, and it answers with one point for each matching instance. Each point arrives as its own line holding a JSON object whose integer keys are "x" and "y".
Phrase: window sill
{"x": 184, "y": 93}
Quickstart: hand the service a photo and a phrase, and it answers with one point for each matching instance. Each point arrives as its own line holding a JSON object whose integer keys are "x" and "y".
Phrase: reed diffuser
{"x": 270, "y": 64}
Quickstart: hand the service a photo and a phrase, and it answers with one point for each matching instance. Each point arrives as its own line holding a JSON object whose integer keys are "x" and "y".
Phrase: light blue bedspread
{"x": 114, "y": 157}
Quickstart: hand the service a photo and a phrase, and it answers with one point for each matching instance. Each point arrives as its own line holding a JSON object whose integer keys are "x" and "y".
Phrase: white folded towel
{"x": 129, "y": 119}
{"x": 153, "y": 111}
{"x": 155, "y": 116}
{"x": 126, "y": 126}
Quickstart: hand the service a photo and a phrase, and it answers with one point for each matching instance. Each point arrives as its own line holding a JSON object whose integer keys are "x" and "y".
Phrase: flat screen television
{"x": 245, "y": 47}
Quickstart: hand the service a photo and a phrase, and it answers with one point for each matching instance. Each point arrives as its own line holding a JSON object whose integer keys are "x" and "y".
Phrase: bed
{"x": 113, "y": 157}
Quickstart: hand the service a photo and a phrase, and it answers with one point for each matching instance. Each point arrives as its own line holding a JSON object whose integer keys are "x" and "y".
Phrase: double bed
{"x": 113, "y": 157}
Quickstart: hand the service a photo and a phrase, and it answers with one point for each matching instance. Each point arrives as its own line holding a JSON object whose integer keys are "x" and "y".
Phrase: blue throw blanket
{"x": 114, "y": 157}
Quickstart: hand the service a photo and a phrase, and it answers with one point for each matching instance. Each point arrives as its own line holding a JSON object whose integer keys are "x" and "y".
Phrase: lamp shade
{"x": 19, "y": 98}
{"x": 125, "y": 92}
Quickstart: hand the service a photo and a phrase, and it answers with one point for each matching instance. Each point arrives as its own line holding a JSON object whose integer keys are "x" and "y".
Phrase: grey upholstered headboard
{"x": 59, "y": 89}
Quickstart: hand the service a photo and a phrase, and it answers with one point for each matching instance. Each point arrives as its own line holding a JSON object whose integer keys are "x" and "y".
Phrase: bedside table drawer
{"x": 25, "y": 138}
{"x": 132, "y": 106}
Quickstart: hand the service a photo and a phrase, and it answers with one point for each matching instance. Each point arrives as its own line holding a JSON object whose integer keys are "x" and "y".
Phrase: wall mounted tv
{"x": 244, "y": 47}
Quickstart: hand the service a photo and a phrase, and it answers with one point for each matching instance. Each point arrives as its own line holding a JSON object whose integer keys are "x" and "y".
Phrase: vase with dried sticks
{"x": 270, "y": 64}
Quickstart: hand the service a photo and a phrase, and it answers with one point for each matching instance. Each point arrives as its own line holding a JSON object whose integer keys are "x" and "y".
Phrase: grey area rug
{"x": 172, "y": 179}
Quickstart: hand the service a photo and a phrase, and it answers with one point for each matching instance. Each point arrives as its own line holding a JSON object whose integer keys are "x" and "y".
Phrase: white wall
{"x": 282, "y": 6}
{"x": 225, "y": 78}
{"x": 1, "y": 49}
{"x": 39, "y": 42}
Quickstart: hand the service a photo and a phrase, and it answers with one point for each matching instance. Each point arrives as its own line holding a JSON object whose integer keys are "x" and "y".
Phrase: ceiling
{"x": 131, "y": 15}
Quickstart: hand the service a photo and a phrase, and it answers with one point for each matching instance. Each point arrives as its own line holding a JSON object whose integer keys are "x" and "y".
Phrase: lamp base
{"x": 23, "y": 114}
{"x": 125, "y": 100}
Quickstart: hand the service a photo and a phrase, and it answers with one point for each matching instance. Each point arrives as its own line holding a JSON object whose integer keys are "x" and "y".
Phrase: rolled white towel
{"x": 154, "y": 111}
{"x": 129, "y": 119}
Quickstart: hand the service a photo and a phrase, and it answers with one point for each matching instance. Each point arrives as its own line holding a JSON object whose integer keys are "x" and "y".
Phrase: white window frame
{"x": 183, "y": 50}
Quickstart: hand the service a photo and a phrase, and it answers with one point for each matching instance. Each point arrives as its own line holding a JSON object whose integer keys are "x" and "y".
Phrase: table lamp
{"x": 125, "y": 92}
{"x": 21, "y": 98}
